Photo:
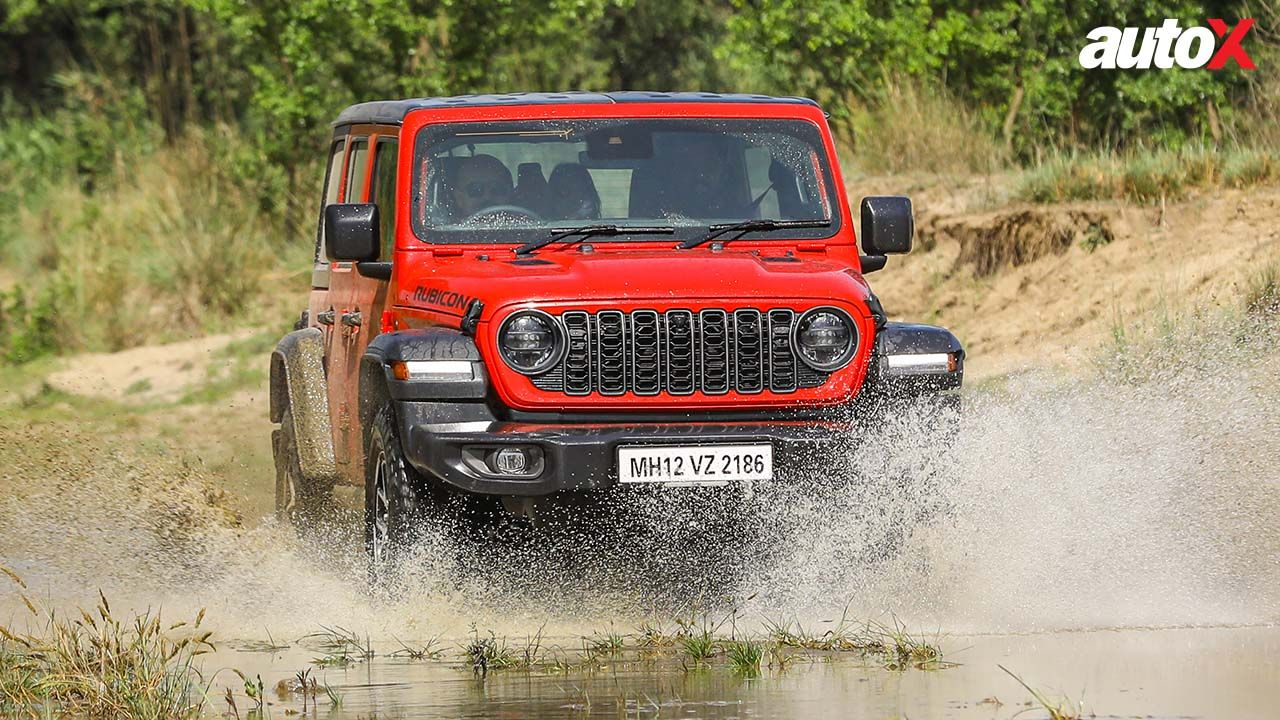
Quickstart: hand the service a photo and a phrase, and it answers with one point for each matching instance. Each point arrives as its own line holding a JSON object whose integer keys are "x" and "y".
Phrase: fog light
{"x": 510, "y": 461}
{"x": 514, "y": 461}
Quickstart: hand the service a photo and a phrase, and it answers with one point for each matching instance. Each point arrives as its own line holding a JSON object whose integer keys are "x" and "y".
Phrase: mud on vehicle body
{"x": 521, "y": 298}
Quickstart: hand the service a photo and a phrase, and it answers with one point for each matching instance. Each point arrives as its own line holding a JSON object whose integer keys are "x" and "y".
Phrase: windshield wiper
{"x": 747, "y": 226}
{"x": 582, "y": 233}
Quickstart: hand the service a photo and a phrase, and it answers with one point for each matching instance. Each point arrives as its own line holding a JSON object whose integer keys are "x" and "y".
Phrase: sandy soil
{"x": 153, "y": 373}
{"x": 1056, "y": 309}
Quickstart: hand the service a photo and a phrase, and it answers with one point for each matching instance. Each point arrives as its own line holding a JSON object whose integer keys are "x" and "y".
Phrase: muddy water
{"x": 1206, "y": 672}
{"x": 1068, "y": 532}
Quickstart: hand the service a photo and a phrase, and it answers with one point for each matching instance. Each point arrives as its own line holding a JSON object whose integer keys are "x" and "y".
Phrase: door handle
{"x": 325, "y": 317}
{"x": 352, "y": 319}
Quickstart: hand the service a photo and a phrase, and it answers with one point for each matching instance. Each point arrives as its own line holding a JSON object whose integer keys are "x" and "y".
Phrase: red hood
{"x": 448, "y": 284}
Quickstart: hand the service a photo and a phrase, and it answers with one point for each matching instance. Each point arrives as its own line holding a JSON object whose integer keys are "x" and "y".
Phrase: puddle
{"x": 1177, "y": 673}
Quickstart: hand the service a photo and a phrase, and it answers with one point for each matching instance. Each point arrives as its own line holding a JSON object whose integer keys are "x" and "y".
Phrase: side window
{"x": 332, "y": 174}
{"x": 384, "y": 192}
{"x": 356, "y": 178}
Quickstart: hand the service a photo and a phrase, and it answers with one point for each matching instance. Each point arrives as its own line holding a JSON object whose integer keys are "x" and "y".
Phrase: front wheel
{"x": 395, "y": 497}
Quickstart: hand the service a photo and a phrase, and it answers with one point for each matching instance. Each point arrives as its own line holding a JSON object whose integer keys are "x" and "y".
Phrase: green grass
{"x": 699, "y": 648}
{"x": 339, "y": 646}
{"x": 487, "y": 652}
{"x": 610, "y": 642}
{"x": 169, "y": 241}
{"x": 1147, "y": 176}
{"x": 96, "y": 665}
{"x": 745, "y": 656}
{"x": 1262, "y": 297}
{"x": 916, "y": 126}
{"x": 424, "y": 651}
{"x": 892, "y": 645}
{"x": 703, "y": 644}
{"x": 1153, "y": 346}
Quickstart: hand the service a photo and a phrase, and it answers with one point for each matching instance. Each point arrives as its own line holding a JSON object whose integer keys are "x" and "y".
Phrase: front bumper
{"x": 583, "y": 456}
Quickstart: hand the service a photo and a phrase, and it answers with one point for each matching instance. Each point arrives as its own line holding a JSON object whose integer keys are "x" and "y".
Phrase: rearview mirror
{"x": 887, "y": 225}
{"x": 352, "y": 232}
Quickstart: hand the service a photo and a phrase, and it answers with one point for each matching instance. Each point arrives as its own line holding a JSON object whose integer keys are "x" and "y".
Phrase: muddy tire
{"x": 300, "y": 501}
{"x": 397, "y": 501}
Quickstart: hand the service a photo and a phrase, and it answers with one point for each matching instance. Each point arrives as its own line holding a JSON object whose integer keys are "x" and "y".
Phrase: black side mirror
{"x": 887, "y": 225}
{"x": 352, "y": 232}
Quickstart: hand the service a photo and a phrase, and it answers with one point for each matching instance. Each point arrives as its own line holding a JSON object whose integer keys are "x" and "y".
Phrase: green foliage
{"x": 1014, "y": 61}
{"x": 157, "y": 244}
{"x": 283, "y": 68}
{"x": 29, "y": 327}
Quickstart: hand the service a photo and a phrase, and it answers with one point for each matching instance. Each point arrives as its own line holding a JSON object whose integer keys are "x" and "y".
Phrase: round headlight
{"x": 531, "y": 341}
{"x": 825, "y": 338}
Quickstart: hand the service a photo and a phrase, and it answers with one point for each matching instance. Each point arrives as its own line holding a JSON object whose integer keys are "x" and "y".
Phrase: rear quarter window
{"x": 329, "y": 196}
{"x": 357, "y": 180}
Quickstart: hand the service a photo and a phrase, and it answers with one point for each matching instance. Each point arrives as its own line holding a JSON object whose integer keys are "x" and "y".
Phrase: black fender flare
{"x": 379, "y": 386}
{"x": 898, "y": 338}
{"x": 297, "y": 383}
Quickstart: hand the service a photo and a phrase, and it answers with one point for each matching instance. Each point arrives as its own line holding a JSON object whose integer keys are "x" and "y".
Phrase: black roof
{"x": 393, "y": 111}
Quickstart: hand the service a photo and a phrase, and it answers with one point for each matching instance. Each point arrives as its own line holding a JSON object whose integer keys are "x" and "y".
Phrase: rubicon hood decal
{"x": 440, "y": 298}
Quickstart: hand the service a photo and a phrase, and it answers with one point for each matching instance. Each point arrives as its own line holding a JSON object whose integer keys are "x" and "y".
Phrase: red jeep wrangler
{"x": 525, "y": 298}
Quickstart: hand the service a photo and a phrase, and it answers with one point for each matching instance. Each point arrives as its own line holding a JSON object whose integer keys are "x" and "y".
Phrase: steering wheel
{"x": 508, "y": 210}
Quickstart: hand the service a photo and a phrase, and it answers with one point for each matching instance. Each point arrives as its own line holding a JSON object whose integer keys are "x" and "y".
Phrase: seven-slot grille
{"x": 679, "y": 352}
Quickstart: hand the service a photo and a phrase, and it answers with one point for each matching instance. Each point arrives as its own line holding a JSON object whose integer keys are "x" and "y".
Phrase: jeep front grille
{"x": 679, "y": 352}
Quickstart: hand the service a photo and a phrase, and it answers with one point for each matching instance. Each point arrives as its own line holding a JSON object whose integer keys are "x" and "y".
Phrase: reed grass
{"x": 169, "y": 242}
{"x": 745, "y": 656}
{"x": 915, "y": 126}
{"x": 891, "y": 644}
{"x": 1262, "y": 297}
{"x": 99, "y": 665}
{"x": 1059, "y": 710}
{"x": 1147, "y": 176}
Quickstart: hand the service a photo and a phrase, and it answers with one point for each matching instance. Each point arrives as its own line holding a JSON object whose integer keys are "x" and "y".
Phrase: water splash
{"x": 1062, "y": 503}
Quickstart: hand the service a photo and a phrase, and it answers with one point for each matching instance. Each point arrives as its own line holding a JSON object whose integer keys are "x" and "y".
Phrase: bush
{"x": 913, "y": 125}
{"x": 166, "y": 243}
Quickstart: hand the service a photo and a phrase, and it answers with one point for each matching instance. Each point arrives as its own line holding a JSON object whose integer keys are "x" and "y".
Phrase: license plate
{"x": 694, "y": 464}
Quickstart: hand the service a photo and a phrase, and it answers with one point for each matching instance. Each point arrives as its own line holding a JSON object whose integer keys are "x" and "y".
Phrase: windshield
{"x": 517, "y": 181}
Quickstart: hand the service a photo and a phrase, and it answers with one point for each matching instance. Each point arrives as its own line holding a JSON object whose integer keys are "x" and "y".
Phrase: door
{"x": 342, "y": 331}
{"x": 368, "y": 296}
